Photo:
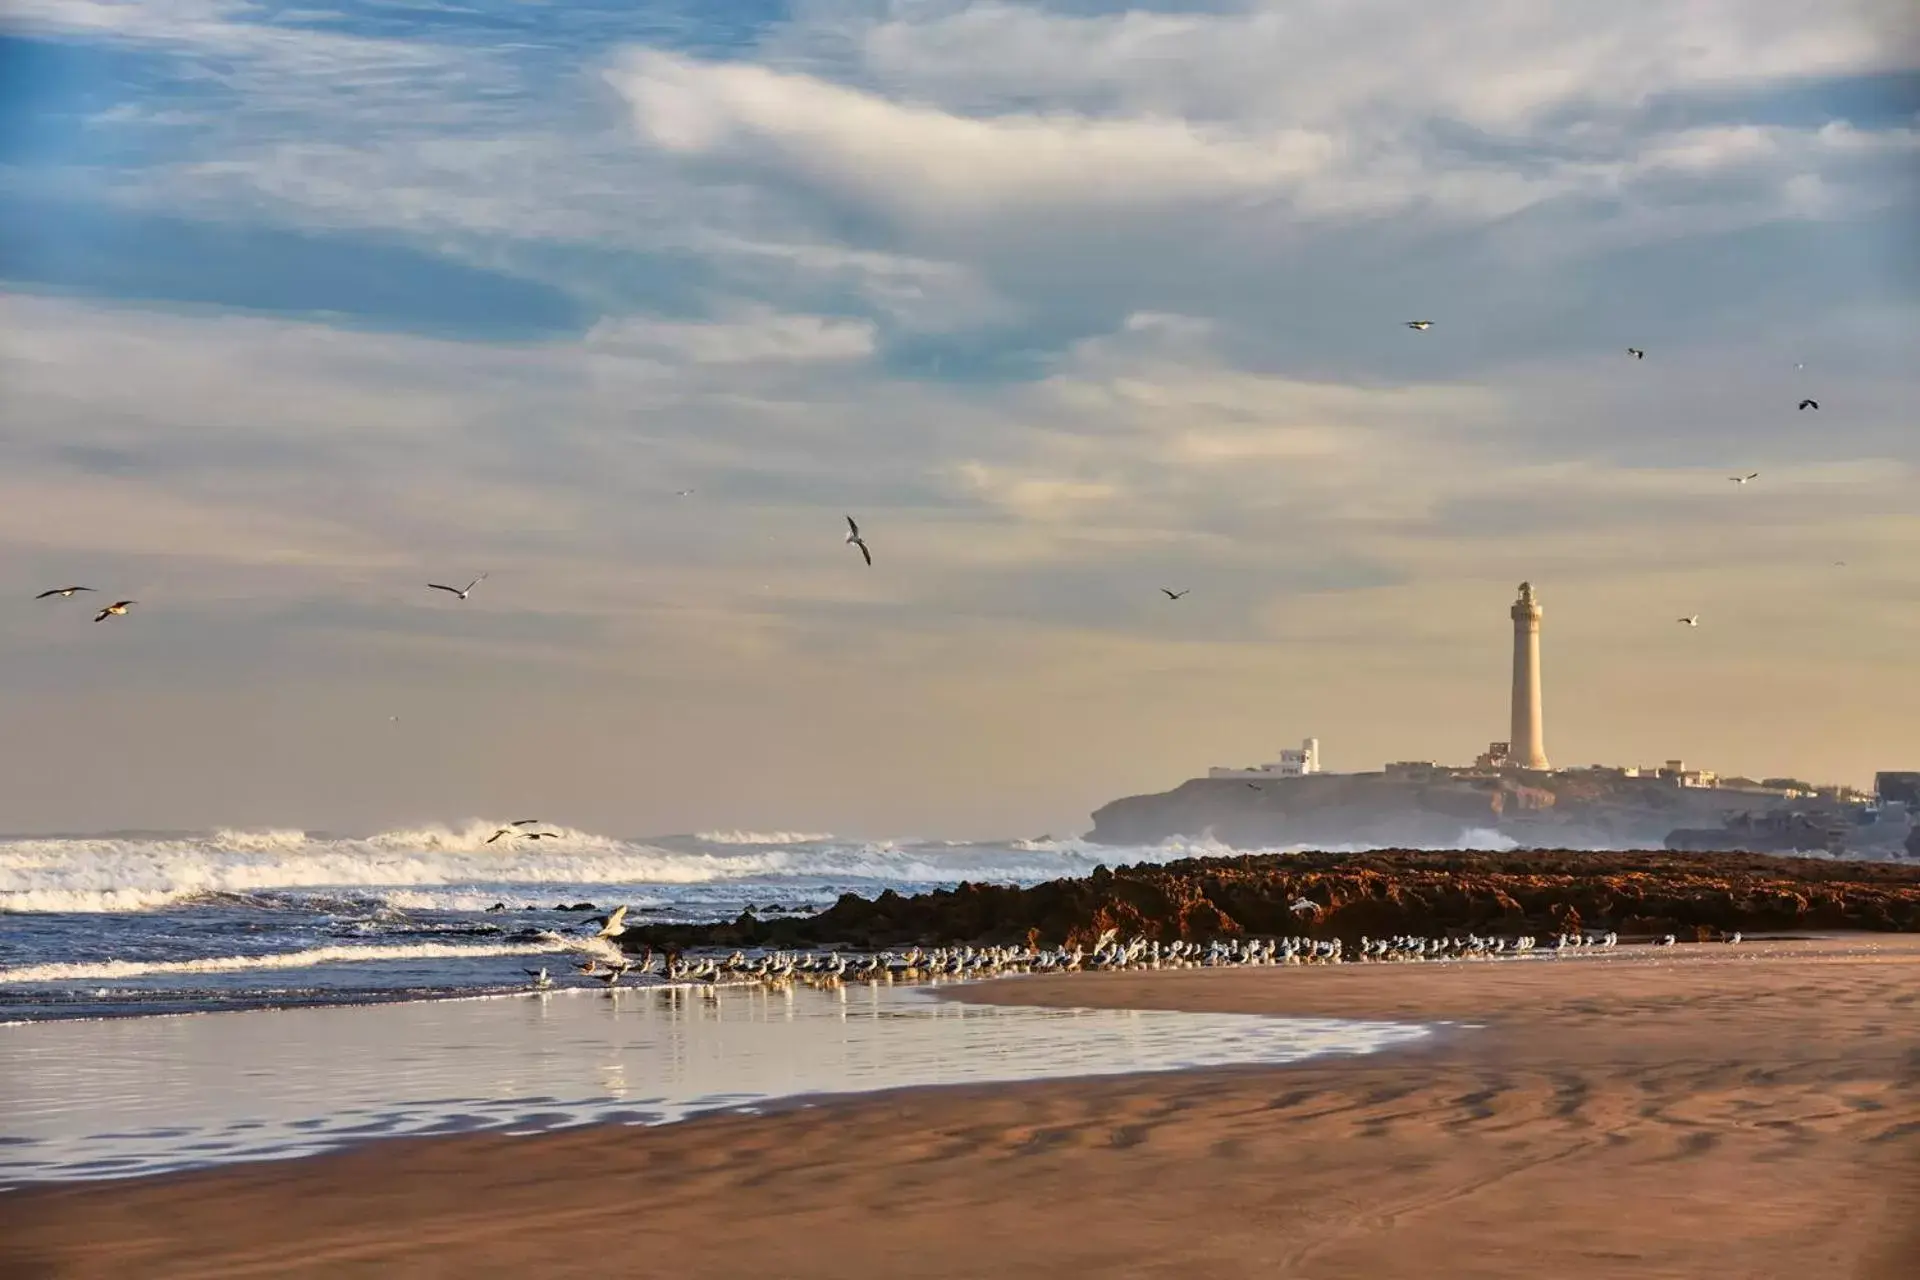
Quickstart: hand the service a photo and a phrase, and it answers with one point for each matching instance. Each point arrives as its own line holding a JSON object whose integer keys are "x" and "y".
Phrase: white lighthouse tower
{"x": 1529, "y": 737}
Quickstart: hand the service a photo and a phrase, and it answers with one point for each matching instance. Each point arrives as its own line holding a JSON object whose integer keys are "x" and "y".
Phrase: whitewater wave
{"x": 764, "y": 837}
{"x": 455, "y": 868}
{"x": 107, "y": 970}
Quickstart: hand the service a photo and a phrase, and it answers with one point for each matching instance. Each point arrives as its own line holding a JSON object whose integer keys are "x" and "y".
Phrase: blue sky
{"x": 307, "y": 304}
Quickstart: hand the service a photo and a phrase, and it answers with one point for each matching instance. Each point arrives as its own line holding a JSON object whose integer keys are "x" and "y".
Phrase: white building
{"x": 1291, "y": 764}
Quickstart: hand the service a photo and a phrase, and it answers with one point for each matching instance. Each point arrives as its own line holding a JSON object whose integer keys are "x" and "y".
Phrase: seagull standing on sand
{"x": 1175, "y": 595}
{"x": 65, "y": 593}
{"x": 458, "y": 591}
{"x": 1751, "y": 475}
{"x": 117, "y": 609}
{"x": 853, "y": 536}
{"x": 1691, "y": 620}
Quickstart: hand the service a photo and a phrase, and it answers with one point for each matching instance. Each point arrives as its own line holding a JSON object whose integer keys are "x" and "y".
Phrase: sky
{"x": 302, "y": 308}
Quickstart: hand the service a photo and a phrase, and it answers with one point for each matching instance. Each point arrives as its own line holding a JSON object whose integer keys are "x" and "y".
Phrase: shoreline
{"x": 1748, "y": 1110}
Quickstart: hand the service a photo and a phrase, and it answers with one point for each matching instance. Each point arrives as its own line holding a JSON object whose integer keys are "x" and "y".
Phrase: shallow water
{"x": 120, "y": 1097}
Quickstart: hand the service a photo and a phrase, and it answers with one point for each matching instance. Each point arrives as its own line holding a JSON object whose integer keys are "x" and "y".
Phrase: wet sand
{"x": 1746, "y": 1111}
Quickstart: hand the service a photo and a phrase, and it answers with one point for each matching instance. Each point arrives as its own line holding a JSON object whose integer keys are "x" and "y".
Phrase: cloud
{"x": 937, "y": 163}
{"x": 1063, "y": 303}
{"x": 759, "y": 335}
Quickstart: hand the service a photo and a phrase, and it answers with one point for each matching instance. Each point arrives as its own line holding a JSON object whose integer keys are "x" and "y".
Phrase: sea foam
{"x": 109, "y": 970}
{"x": 455, "y": 868}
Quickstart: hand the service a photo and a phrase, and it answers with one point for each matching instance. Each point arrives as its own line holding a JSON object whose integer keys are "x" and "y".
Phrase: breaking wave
{"x": 455, "y": 868}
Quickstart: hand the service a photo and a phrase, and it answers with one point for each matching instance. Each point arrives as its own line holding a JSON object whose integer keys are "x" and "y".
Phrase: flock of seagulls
{"x": 854, "y": 537}
{"x": 824, "y": 968}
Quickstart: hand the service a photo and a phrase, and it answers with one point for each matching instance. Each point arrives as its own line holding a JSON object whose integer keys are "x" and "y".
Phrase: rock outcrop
{"x": 1377, "y": 893}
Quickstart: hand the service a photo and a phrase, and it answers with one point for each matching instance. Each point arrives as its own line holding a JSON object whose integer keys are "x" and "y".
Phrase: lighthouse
{"x": 1529, "y": 737}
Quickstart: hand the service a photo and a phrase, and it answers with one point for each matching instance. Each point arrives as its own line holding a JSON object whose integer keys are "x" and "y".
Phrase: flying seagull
{"x": 540, "y": 979}
{"x": 1751, "y": 475}
{"x": 683, "y": 493}
{"x": 458, "y": 591}
{"x": 1636, "y": 353}
{"x": 1253, "y": 786}
{"x": 853, "y": 536}
{"x": 524, "y": 822}
{"x": 1304, "y": 905}
{"x": 613, "y": 924}
{"x": 1175, "y": 595}
{"x": 503, "y": 831}
{"x": 65, "y": 593}
{"x": 1691, "y": 620}
{"x": 117, "y": 609}
{"x": 541, "y": 835}
{"x": 1421, "y": 325}
{"x": 1809, "y": 404}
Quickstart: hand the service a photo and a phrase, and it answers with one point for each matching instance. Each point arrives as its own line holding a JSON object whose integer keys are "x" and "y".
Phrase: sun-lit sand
{"x": 1706, "y": 1111}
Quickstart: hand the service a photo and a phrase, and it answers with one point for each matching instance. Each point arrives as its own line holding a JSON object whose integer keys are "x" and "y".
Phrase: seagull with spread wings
{"x": 461, "y": 592}
{"x": 853, "y": 536}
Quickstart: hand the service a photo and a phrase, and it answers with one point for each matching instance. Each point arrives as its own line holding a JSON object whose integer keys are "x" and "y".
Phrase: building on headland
{"x": 1898, "y": 786}
{"x": 1291, "y": 764}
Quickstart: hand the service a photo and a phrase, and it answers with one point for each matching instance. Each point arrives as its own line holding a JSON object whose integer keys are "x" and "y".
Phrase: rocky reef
{"x": 1377, "y": 893}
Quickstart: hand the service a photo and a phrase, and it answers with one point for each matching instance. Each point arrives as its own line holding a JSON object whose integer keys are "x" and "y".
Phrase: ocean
{"x": 382, "y": 985}
{"x": 133, "y": 923}
{"x": 147, "y": 923}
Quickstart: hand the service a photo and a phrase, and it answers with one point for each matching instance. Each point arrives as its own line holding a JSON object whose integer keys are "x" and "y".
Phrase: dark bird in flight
{"x": 458, "y": 591}
{"x": 853, "y": 536}
{"x": 525, "y": 822}
{"x": 1636, "y": 353}
{"x": 117, "y": 609}
{"x": 1809, "y": 404}
{"x": 1175, "y": 595}
{"x": 64, "y": 593}
{"x": 1751, "y": 475}
{"x": 1421, "y": 325}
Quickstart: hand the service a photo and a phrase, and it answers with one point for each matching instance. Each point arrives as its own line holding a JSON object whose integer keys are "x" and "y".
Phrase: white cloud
{"x": 759, "y": 335}
{"x": 935, "y": 162}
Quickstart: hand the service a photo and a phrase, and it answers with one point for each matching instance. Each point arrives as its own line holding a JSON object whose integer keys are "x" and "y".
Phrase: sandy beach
{"x": 1748, "y": 1111}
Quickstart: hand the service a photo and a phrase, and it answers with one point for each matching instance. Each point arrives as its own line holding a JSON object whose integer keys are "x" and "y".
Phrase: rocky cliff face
{"x": 1375, "y": 893}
